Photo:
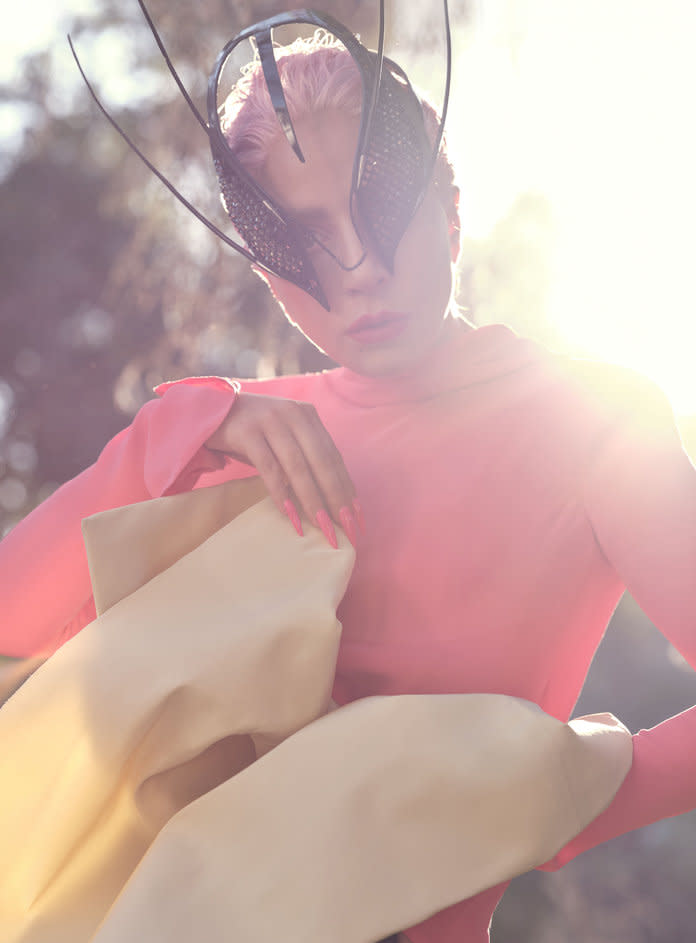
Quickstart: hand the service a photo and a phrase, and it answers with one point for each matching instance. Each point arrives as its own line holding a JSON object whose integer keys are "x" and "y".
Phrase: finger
{"x": 325, "y": 462}
{"x": 262, "y": 457}
{"x": 295, "y": 468}
{"x": 301, "y": 478}
{"x": 334, "y": 455}
{"x": 331, "y": 475}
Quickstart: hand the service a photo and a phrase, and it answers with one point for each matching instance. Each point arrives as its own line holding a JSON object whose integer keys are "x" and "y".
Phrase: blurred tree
{"x": 61, "y": 351}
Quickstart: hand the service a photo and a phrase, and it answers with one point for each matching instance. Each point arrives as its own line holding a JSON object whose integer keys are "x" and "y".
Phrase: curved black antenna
{"x": 366, "y": 124}
{"x": 170, "y": 66}
{"x": 375, "y": 92}
{"x": 264, "y": 44}
{"x": 172, "y": 189}
{"x": 448, "y": 82}
{"x": 445, "y": 104}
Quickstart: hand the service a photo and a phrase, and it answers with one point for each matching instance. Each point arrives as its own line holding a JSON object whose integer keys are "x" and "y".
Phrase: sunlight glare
{"x": 590, "y": 104}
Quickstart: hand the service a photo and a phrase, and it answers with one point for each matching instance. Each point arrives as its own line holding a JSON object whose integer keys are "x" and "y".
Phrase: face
{"x": 379, "y": 323}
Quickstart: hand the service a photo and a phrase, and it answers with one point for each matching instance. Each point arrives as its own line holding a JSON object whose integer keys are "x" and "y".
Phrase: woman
{"x": 500, "y": 497}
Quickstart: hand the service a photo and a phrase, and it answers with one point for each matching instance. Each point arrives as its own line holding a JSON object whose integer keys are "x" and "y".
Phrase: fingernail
{"x": 324, "y": 522}
{"x": 359, "y": 514}
{"x": 349, "y": 525}
{"x": 291, "y": 511}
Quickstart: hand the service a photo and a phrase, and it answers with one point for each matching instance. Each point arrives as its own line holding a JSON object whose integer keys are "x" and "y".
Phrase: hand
{"x": 287, "y": 443}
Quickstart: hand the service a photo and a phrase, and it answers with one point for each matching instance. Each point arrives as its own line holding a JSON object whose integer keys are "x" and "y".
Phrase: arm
{"x": 641, "y": 500}
{"x": 44, "y": 580}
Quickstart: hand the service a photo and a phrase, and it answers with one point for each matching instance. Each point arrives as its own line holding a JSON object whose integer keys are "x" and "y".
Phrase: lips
{"x": 377, "y": 328}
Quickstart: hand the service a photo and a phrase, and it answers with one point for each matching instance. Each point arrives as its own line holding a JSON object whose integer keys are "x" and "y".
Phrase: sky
{"x": 588, "y": 102}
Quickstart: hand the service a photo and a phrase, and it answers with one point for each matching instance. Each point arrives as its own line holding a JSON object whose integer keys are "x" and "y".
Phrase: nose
{"x": 362, "y": 269}
{"x": 368, "y": 277}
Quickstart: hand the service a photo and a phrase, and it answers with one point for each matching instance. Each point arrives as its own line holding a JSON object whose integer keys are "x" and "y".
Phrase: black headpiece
{"x": 391, "y": 171}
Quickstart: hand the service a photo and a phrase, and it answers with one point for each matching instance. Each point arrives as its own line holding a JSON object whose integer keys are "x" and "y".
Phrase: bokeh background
{"x": 571, "y": 128}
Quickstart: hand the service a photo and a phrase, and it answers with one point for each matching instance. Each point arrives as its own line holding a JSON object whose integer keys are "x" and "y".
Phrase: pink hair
{"x": 317, "y": 74}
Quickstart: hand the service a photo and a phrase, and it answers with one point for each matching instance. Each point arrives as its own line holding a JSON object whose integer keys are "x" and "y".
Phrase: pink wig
{"x": 317, "y": 74}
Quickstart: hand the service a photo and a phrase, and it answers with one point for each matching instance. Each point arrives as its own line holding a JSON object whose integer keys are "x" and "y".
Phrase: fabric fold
{"x": 371, "y": 819}
{"x": 154, "y": 703}
{"x": 173, "y": 772}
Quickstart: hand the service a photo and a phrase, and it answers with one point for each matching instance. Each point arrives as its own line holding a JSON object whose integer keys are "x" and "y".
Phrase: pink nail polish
{"x": 291, "y": 511}
{"x": 324, "y": 522}
{"x": 359, "y": 514}
{"x": 349, "y": 525}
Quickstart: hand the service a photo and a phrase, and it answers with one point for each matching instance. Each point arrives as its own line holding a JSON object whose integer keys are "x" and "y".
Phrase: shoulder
{"x": 577, "y": 409}
{"x": 614, "y": 394}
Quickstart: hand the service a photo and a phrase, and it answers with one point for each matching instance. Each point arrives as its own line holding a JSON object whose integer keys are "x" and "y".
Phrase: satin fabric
{"x": 173, "y": 772}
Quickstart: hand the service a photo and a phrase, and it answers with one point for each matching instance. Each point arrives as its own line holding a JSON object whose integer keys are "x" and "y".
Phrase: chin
{"x": 396, "y": 359}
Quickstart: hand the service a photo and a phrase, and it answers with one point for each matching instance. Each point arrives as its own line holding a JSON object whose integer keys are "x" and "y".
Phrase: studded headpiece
{"x": 392, "y": 167}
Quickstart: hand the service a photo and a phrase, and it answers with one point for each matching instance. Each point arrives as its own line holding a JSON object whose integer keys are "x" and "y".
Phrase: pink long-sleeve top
{"x": 510, "y": 495}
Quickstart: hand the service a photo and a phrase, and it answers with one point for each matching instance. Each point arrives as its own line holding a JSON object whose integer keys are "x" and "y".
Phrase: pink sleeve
{"x": 641, "y": 500}
{"x": 44, "y": 580}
